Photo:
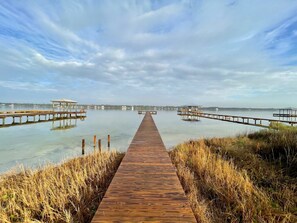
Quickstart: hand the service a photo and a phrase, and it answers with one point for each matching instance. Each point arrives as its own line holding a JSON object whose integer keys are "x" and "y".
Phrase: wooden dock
{"x": 286, "y": 113}
{"x": 34, "y": 116}
{"x": 143, "y": 112}
{"x": 145, "y": 187}
{"x": 246, "y": 120}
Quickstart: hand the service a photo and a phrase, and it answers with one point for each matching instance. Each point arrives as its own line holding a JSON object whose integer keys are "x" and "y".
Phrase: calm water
{"x": 35, "y": 144}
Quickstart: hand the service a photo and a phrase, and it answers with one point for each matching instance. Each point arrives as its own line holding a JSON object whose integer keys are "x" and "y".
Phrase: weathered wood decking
{"x": 145, "y": 187}
{"x": 20, "y": 117}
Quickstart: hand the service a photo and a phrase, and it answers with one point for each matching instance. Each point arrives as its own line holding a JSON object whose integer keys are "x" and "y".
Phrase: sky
{"x": 239, "y": 53}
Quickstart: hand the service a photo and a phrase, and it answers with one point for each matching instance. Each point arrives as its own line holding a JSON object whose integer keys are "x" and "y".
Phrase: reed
{"x": 69, "y": 192}
{"x": 278, "y": 147}
{"x": 223, "y": 179}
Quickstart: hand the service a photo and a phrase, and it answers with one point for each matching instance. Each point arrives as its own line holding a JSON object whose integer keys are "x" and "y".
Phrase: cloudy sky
{"x": 208, "y": 52}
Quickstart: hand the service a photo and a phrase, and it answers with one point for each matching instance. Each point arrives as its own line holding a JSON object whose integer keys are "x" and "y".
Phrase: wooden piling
{"x": 99, "y": 145}
{"x": 95, "y": 140}
{"x": 83, "y": 147}
{"x": 108, "y": 142}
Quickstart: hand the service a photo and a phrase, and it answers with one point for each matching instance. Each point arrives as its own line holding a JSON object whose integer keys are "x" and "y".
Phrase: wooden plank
{"x": 145, "y": 187}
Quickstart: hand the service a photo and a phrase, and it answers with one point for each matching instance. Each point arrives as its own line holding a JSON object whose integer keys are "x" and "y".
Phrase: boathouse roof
{"x": 63, "y": 100}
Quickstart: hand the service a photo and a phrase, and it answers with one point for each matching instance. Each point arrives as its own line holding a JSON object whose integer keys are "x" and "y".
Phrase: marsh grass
{"x": 280, "y": 126}
{"x": 278, "y": 147}
{"x": 230, "y": 180}
{"x": 69, "y": 192}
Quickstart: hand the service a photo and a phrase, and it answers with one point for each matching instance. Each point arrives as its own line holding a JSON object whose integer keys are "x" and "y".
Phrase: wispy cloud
{"x": 228, "y": 53}
{"x": 27, "y": 86}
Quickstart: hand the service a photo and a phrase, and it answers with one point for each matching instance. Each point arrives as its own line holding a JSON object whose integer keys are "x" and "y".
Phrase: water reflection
{"x": 32, "y": 145}
{"x": 65, "y": 124}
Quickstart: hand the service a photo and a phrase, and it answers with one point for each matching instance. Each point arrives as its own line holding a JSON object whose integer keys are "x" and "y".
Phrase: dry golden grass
{"x": 278, "y": 147}
{"x": 262, "y": 156}
{"x": 219, "y": 191}
{"x": 69, "y": 192}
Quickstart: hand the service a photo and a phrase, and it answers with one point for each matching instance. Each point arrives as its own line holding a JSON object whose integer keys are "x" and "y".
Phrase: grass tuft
{"x": 69, "y": 192}
{"x": 228, "y": 180}
{"x": 279, "y": 147}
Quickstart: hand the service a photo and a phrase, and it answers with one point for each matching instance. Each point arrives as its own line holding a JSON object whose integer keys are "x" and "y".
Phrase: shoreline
{"x": 229, "y": 163}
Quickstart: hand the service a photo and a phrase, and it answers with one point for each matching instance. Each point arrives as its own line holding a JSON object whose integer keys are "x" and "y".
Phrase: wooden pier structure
{"x": 246, "y": 120}
{"x": 187, "y": 116}
{"x": 143, "y": 112}
{"x": 35, "y": 116}
{"x": 286, "y": 113}
{"x": 145, "y": 188}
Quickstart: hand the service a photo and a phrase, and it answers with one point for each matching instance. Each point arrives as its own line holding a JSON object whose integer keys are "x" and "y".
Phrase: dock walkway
{"x": 254, "y": 121}
{"x": 145, "y": 188}
{"x": 35, "y": 116}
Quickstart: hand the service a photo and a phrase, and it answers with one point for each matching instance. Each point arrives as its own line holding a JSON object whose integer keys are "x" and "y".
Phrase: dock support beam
{"x": 108, "y": 142}
{"x": 99, "y": 145}
{"x": 83, "y": 147}
{"x": 95, "y": 140}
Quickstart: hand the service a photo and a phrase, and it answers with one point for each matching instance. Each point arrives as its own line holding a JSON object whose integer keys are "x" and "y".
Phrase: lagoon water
{"x": 36, "y": 144}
